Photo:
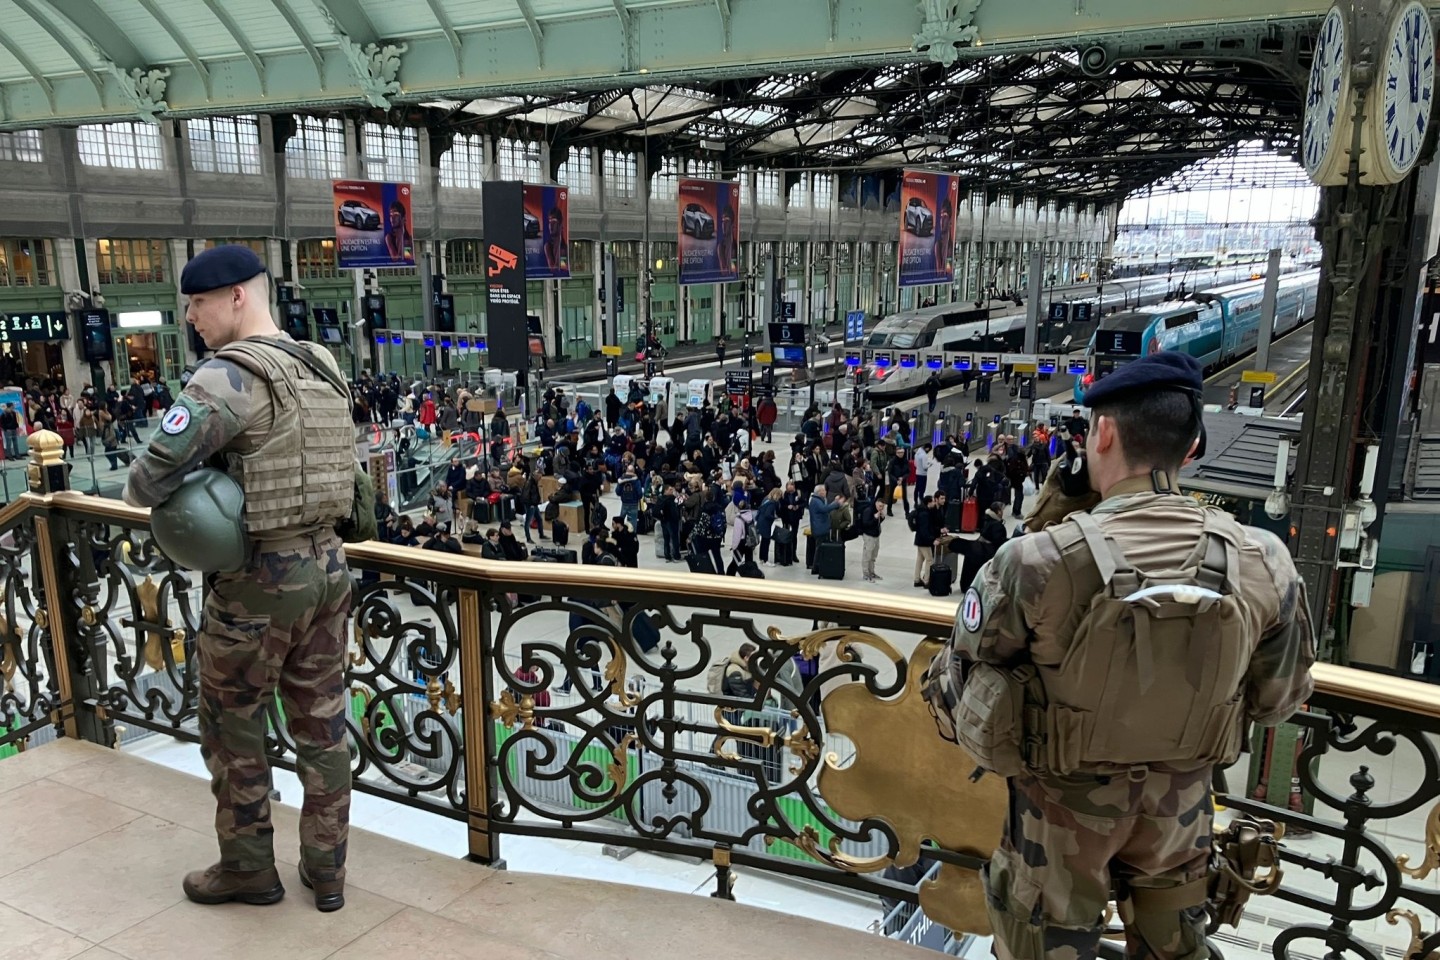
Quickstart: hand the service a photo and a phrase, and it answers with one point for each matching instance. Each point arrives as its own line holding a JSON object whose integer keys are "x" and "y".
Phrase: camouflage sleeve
{"x": 1279, "y": 679}
{"x": 215, "y": 406}
{"x": 989, "y": 626}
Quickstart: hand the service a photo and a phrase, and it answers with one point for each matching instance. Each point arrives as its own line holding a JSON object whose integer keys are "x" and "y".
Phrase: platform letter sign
{"x": 505, "y": 305}
{"x": 547, "y": 232}
{"x": 927, "y": 228}
{"x": 373, "y": 224}
{"x": 709, "y": 231}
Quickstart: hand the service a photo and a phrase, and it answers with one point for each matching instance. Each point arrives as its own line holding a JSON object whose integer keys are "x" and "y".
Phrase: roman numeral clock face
{"x": 1408, "y": 87}
{"x": 1327, "y": 96}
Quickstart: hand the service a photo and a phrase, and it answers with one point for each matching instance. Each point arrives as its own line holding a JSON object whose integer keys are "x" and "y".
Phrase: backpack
{"x": 752, "y": 538}
{"x": 715, "y": 677}
{"x": 1180, "y": 707}
{"x": 598, "y": 514}
{"x": 716, "y": 521}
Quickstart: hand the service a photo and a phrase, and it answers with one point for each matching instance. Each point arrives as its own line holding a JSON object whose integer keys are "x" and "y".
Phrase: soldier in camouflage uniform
{"x": 279, "y": 621}
{"x": 1137, "y": 832}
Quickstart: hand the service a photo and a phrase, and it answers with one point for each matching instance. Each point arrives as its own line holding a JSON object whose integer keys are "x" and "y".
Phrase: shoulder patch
{"x": 972, "y": 611}
{"x": 177, "y": 418}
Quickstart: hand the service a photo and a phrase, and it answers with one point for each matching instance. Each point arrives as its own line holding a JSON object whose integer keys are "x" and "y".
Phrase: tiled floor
{"x": 97, "y": 841}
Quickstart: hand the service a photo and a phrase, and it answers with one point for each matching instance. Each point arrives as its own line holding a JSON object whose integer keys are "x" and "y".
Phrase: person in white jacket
{"x": 924, "y": 458}
{"x": 933, "y": 467}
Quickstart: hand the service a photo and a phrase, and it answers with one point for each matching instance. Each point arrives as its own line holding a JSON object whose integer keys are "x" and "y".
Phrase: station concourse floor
{"x": 99, "y": 839}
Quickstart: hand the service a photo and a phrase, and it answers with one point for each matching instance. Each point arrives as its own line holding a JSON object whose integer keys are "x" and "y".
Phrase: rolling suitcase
{"x": 554, "y": 555}
{"x": 751, "y": 570}
{"x": 970, "y": 515}
{"x": 830, "y": 561}
{"x": 659, "y": 545}
{"x": 560, "y": 533}
{"x": 942, "y": 577}
{"x": 700, "y": 562}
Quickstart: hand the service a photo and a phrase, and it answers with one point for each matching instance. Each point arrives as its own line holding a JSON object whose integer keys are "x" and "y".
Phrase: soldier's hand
{"x": 1053, "y": 504}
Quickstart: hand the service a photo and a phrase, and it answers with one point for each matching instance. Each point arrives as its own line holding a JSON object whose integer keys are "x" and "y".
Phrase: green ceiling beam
{"x": 651, "y": 43}
{"x": 58, "y": 34}
{"x": 537, "y": 34}
{"x": 242, "y": 42}
{"x": 202, "y": 71}
{"x": 349, "y": 18}
{"x": 112, "y": 42}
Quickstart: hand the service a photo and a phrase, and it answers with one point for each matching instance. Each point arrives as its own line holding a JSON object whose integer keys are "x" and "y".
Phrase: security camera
{"x": 358, "y": 322}
{"x": 98, "y": 299}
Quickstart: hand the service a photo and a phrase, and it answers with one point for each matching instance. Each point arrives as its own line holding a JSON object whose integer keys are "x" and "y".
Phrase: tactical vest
{"x": 302, "y": 474}
{"x": 1154, "y": 672}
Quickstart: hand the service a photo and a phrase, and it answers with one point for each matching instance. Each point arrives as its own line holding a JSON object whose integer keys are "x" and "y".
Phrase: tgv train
{"x": 1215, "y": 326}
{"x": 964, "y": 328}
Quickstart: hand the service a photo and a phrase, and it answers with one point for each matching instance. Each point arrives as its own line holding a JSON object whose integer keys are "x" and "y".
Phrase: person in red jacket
{"x": 427, "y": 415}
{"x": 765, "y": 414}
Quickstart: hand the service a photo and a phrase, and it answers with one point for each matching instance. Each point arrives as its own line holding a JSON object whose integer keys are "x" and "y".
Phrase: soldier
{"x": 1132, "y": 642}
{"x": 274, "y": 415}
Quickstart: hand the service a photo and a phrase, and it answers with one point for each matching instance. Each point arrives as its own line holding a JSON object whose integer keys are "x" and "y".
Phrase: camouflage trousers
{"x": 279, "y": 623}
{"x": 1073, "y": 844}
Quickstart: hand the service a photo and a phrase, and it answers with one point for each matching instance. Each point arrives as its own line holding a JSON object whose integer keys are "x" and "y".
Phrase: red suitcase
{"x": 970, "y": 515}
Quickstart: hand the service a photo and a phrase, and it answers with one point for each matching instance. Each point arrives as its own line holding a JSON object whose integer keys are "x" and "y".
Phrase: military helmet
{"x": 201, "y": 527}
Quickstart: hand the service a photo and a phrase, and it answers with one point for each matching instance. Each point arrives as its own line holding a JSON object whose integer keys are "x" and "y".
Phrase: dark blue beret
{"x": 220, "y": 267}
{"x": 1168, "y": 369}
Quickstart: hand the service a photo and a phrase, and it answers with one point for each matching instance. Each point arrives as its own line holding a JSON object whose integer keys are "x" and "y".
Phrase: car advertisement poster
{"x": 547, "y": 232}
{"x": 709, "y": 231}
{"x": 927, "y": 228}
{"x": 374, "y": 224}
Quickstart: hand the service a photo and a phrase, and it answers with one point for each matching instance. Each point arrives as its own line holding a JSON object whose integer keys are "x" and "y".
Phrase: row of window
{"x": 317, "y": 151}
{"x": 31, "y": 262}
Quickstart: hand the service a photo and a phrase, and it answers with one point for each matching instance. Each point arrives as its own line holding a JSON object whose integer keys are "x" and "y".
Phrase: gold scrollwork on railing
{"x": 804, "y": 748}
{"x": 446, "y": 695}
{"x": 1417, "y": 933}
{"x": 7, "y": 663}
{"x": 508, "y": 711}
{"x": 844, "y": 638}
{"x": 1432, "y": 849}
{"x": 615, "y": 673}
{"x": 896, "y": 743}
{"x": 831, "y": 854}
{"x": 149, "y": 593}
{"x": 367, "y": 696}
{"x": 620, "y": 770}
{"x": 763, "y": 736}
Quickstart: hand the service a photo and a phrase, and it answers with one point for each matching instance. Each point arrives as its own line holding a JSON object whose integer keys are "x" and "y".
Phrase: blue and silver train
{"x": 1215, "y": 326}
{"x": 964, "y": 328}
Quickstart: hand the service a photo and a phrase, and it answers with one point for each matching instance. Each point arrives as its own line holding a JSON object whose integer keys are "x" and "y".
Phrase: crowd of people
{"x": 108, "y": 418}
{"x": 700, "y": 482}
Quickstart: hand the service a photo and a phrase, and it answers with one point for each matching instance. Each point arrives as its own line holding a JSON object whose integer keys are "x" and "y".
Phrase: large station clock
{"x": 1398, "y": 111}
{"x": 1325, "y": 133}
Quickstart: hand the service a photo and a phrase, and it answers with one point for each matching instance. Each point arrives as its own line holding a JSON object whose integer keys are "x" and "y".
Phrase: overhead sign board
{"x": 51, "y": 325}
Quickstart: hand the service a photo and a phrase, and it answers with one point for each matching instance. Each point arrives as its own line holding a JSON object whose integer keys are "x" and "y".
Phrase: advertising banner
{"x": 709, "y": 231}
{"x": 374, "y": 224}
{"x": 927, "y": 228}
{"x": 505, "y": 301}
{"x": 547, "y": 232}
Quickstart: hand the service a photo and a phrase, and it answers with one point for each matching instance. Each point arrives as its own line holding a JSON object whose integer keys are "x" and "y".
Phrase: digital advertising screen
{"x": 547, "y": 232}
{"x": 374, "y": 224}
{"x": 927, "y": 228}
{"x": 709, "y": 231}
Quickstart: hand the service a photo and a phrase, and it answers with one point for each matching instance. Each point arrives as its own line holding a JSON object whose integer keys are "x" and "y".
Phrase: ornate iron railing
{"x": 452, "y": 659}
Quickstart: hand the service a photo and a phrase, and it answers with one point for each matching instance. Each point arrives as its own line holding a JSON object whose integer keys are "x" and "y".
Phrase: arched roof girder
{"x": 217, "y": 9}
{"x": 24, "y": 60}
{"x": 97, "y": 27}
{"x": 298, "y": 28}
{"x": 181, "y": 41}
{"x": 65, "y": 42}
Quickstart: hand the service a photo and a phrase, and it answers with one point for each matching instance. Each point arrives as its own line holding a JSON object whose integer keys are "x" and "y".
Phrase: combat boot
{"x": 218, "y": 885}
{"x": 329, "y": 894}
